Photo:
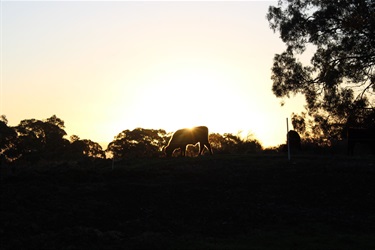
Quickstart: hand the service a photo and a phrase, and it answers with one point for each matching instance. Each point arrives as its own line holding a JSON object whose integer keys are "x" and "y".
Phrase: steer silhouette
{"x": 294, "y": 140}
{"x": 183, "y": 137}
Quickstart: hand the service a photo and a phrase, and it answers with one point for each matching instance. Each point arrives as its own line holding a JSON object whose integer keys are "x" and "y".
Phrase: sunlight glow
{"x": 187, "y": 97}
{"x": 113, "y": 66}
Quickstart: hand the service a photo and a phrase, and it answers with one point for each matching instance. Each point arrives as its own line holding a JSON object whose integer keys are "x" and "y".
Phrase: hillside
{"x": 219, "y": 202}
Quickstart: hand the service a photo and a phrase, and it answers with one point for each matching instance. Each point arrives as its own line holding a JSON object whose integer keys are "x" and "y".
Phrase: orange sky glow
{"x": 104, "y": 67}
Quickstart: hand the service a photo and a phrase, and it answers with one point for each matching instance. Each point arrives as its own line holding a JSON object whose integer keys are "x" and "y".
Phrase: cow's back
{"x": 182, "y": 136}
{"x": 190, "y": 135}
{"x": 200, "y": 133}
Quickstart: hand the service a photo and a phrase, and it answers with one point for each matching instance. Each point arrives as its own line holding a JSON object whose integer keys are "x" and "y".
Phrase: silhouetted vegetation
{"x": 229, "y": 143}
{"x": 339, "y": 82}
{"x": 138, "y": 143}
{"x": 34, "y": 141}
{"x": 41, "y": 141}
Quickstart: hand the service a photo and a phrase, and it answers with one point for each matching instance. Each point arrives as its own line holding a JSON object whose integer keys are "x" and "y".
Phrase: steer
{"x": 183, "y": 137}
{"x": 361, "y": 136}
{"x": 294, "y": 140}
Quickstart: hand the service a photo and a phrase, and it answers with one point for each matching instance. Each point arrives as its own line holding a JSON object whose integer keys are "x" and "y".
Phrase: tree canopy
{"x": 138, "y": 143}
{"x": 35, "y": 141}
{"x": 339, "y": 82}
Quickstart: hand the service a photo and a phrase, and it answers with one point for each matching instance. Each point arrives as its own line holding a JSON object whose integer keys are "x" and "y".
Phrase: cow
{"x": 294, "y": 140}
{"x": 360, "y": 136}
{"x": 187, "y": 136}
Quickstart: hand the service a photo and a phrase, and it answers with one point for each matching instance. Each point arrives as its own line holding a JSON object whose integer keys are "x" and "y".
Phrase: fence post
{"x": 287, "y": 138}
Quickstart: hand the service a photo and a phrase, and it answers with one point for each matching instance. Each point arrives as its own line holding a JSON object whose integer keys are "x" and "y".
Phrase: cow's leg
{"x": 209, "y": 147}
{"x": 202, "y": 145}
{"x": 201, "y": 148}
{"x": 183, "y": 151}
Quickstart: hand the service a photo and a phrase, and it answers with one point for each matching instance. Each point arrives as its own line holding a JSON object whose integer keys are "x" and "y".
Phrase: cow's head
{"x": 168, "y": 151}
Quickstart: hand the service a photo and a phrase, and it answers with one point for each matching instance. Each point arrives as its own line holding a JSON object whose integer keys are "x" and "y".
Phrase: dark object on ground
{"x": 360, "y": 136}
{"x": 294, "y": 140}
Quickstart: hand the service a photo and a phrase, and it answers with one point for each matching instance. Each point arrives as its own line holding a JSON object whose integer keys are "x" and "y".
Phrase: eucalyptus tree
{"x": 338, "y": 82}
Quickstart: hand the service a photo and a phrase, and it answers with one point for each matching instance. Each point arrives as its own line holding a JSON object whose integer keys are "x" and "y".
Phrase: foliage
{"x": 41, "y": 139}
{"x": 87, "y": 148}
{"x": 7, "y": 137}
{"x": 138, "y": 143}
{"x": 339, "y": 82}
{"x": 34, "y": 140}
{"x": 43, "y": 142}
{"x": 229, "y": 143}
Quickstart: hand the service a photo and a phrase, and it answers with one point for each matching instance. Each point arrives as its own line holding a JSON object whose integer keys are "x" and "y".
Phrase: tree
{"x": 79, "y": 149}
{"x": 229, "y": 143}
{"x": 138, "y": 143}
{"x": 41, "y": 139}
{"x": 7, "y": 138}
{"x": 339, "y": 82}
{"x": 54, "y": 120}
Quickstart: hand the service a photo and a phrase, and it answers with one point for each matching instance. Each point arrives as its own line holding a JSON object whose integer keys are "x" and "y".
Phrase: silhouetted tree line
{"x": 45, "y": 140}
{"x": 34, "y": 140}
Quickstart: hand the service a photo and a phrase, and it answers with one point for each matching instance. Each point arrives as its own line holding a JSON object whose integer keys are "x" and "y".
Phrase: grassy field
{"x": 212, "y": 202}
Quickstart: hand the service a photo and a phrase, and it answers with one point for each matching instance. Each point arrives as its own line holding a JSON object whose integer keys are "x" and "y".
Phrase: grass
{"x": 214, "y": 202}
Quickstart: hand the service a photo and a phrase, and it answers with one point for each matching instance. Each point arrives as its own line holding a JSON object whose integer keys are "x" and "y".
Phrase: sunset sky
{"x": 104, "y": 67}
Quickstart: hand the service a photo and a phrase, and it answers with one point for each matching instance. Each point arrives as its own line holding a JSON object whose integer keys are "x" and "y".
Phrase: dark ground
{"x": 217, "y": 202}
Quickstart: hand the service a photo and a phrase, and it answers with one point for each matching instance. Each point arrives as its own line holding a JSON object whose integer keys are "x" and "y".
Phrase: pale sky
{"x": 104, "y": 67}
